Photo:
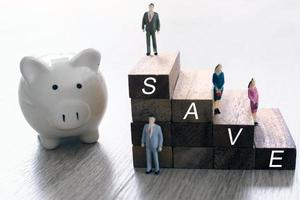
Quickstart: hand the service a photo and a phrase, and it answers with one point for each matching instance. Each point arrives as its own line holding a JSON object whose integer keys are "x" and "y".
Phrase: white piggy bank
{"x": 65, "y": 97}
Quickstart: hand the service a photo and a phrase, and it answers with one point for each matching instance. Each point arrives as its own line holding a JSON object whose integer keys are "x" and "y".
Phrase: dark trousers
{"x": 152, "y": 34}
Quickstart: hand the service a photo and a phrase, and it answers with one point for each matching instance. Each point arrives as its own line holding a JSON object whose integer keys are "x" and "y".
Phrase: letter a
{"x": 189, "y": 112}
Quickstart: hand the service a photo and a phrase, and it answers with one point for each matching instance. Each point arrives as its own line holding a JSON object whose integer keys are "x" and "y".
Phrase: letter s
{"x": 149, "y": 85}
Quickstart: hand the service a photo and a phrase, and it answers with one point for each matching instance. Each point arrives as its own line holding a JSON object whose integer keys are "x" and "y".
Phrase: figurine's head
{"x": 251, "y": 83}
{"x": 218, "y": 68}
{"x": 151, "y": 7}
{"x": 151, "y": 119}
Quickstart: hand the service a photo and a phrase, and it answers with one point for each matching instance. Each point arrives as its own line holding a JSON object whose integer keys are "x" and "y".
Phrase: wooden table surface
{"x": 105, "y": 170}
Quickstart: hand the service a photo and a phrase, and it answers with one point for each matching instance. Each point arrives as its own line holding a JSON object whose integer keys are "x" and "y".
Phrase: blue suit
{"x": 152, "y": 144}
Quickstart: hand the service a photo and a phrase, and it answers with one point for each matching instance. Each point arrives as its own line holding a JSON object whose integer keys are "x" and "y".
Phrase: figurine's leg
{"x": 155, "y": 157}
{"x": 49, "y": 143}
{"x": 154, "y": 42}
{"x": 90, "y": 137}
{"x": 149, "y": 159}
{"x": 148, "y": 42}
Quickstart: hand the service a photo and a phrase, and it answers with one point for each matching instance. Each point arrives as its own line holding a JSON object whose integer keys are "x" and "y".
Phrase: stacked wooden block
{"x": 182, "y": 101}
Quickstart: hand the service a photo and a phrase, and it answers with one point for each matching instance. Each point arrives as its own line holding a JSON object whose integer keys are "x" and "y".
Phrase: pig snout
{"x": 70, "y": 114}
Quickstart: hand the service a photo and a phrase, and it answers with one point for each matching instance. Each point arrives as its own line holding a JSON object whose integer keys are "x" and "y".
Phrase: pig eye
{"x": 79, "y": 85}
{"x": 54, "y": 87}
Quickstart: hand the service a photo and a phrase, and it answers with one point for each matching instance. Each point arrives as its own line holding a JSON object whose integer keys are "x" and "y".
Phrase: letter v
{"x": 232, "y": 141}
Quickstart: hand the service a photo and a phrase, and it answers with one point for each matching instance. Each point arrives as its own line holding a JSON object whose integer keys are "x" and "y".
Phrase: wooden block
{"x": 154, "y": 76}
{"x": 192, "y": 134}
{"x": 193, "y": 99}
{"x": 165, "y": 157}
{"x": 137, "y": 130}
{"x": 274, "y": 145}
{"x": 141, "y": 108}
{"x": 234, "y": 158}
{"x": 193, "y": 157}
{"x": 234, "y": 126}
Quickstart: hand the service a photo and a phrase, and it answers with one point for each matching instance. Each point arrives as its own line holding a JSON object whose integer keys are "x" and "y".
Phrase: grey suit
{"x": 151, "y": 27}
{"x": 152, "y": 144}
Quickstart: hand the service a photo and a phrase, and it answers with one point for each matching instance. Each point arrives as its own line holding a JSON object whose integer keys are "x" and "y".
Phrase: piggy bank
{"x": 63, "y": 96}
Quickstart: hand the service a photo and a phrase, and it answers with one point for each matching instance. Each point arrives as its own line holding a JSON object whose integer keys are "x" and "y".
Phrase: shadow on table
{"x": 72, "y": 170}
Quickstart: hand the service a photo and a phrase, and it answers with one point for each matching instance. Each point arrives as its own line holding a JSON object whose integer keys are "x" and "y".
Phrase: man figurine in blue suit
{"x": 152, "y": 139}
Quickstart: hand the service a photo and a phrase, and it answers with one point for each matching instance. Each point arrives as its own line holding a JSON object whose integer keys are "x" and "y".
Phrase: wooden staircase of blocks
{"x": 182, "y": 101}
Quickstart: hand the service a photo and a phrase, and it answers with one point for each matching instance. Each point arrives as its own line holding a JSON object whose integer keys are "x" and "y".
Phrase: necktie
{"x": 150, "y": 131}
{"x": 150, "y": 16}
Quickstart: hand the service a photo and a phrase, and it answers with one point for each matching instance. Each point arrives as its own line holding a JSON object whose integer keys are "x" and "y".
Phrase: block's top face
{"x": 235, "y": 109}
{"x": 155, "y": 65}
{"x": 194, "y": 84}
{"x": 272, "y": 131}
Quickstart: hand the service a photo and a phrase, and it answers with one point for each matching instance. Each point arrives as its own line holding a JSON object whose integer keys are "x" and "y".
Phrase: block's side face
{"x": 234, "y": 158}
{"x": 192, "y": 134}
{"x": 139, "y": 157}
{"x": 142, "y": 108}
{"x": 233, "y": 135}
{"x": 137, "y": 130}
{"x": 174, "y": 74}
{"x": 149, "y": 86}
{"x": 192, "y": 110}
{"x": 193, "y": 157}
{"x": 277, "y": 159}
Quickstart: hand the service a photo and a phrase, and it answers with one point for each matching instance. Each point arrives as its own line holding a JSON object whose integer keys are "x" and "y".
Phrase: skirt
{"x": 253, "y": 106}
{"x": 217, "y": 95}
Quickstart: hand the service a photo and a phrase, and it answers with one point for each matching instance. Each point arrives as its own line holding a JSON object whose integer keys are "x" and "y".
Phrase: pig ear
{"x": 88, "y": 58}
{"x": 31, "y": 68}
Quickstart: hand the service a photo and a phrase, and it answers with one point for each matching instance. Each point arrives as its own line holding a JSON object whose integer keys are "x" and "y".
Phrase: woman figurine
{"x": 218, "y": 81}
{"x": 253, "y": 96}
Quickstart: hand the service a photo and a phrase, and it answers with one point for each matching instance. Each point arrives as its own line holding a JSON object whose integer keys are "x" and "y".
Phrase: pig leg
{"x": 49, "y": 143}
{"x": 90, "y": 137}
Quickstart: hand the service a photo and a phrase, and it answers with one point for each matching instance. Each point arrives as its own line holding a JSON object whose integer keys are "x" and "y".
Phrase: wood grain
{"x": 235, "y": 115}
{"x": 164, "y": 68}
{"x": 141, "y": 108}
{"x": 193, "y": 86}
{"x": 193, "y": 157}
{"x": 273, "y": 134}
{"x": 192, "y": 134}
{"x": 234, "y": 158}
{"x": 235, "y": 108}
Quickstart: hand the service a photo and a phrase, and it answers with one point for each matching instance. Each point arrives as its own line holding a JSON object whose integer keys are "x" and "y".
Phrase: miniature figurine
{"x": 63, "y": 97}
{"x": 254, "y": 97}
{"x": 151, "y": 24}
{"x": 152, "y": 138}
{"x": 218, "y": 82}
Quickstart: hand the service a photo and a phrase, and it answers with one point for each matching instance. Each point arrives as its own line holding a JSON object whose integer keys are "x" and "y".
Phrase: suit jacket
{"x": 156, "y": 139}
{"x": 153, "y": 25}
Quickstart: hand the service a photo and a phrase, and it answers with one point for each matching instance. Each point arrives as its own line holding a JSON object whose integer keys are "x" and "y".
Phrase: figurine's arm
{"x": 143, "y": 137}
{"x": 222, "y": 80}
{"x": 158, "y": 23}
{"x": 250, "y": 95}
{"x": 161, "y": 139}
{"x": 144, "y": 22}
{"x": 214, "y": 81}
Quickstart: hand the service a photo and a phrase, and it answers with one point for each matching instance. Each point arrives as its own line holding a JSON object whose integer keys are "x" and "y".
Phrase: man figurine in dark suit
{"x": 151, "y": 24}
